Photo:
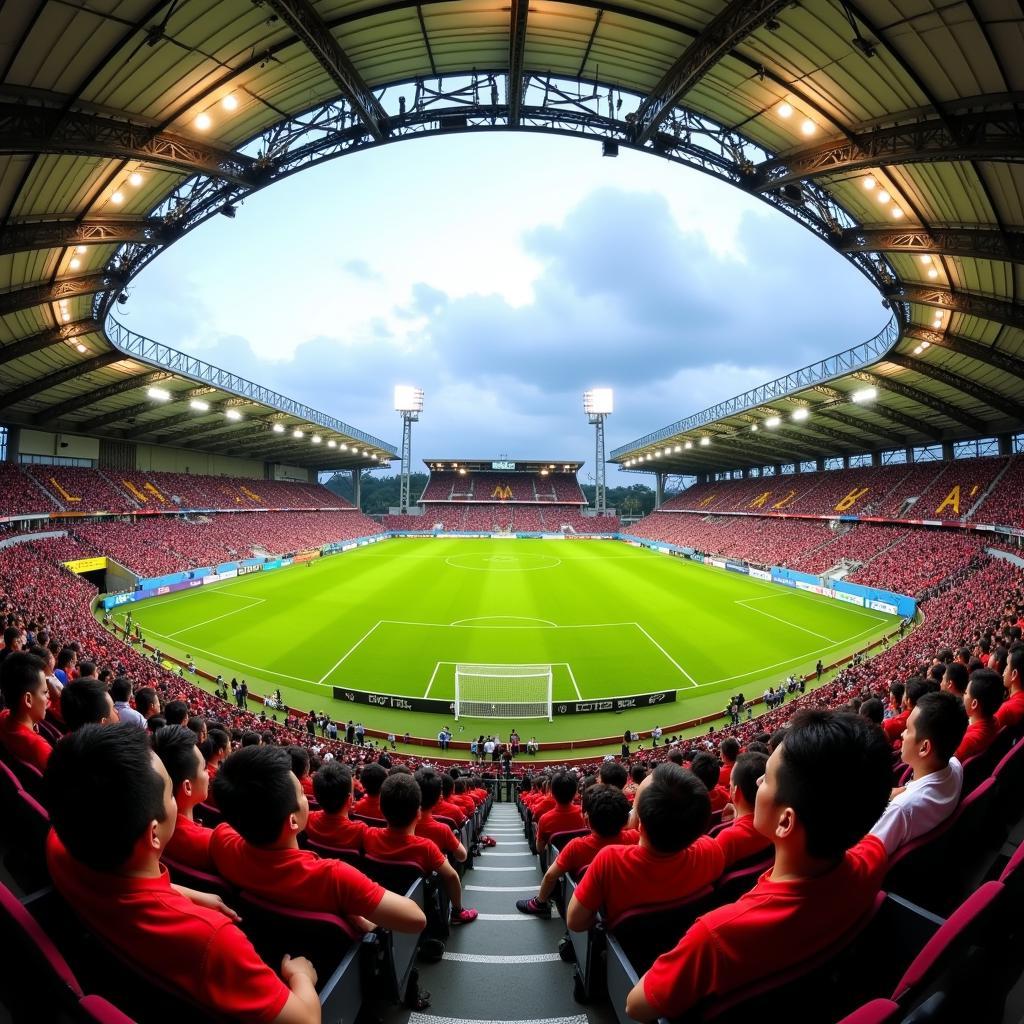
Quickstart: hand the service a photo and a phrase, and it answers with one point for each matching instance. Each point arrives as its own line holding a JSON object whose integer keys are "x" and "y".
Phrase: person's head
{"x": 86, "y": 670}
{"x": 216, "y": 745}
{"x": 916, "y": 689}
{"x": 776, "y": 738}
{"x": 637, "y": 774}
{"x": 448, "y": 785}
{"x": 332, "y": 786}
{"x": 430, "y": 787}
{"x": 934, "y": 731}
{"x": 825, "y": 785}
{"x": 729, "y": 748}
{"x": 984, "y": 694}
{"x": 87, "y": 769}
{"x": 706, "y": 767}
{"x": 176, "y": 746}
{"x": 896, "y": 690}
{"x": 873, "y": 710}
{"x": 563, "y": 787}
{"x": 156, "y": 723}
{"x": 147, "y": 703}
{"x": 260, "y": 796}
{"x": 14, "y": 638}
{"x": 86, "y": 702}
{"x": 400, "y": 800}
{"x": 121, "y": 690}
{"x": 198, "y": 725}
{"x": 300, "y": 761}
{"x": 372, "y": 778}
{"x": 176, "y": 712}
{"x": 251, "y": 738}
{"x": 954, "y": 678}
{"x": 673, "y": 808}
{"x": 749, "y": 767}
{"x": 611, "y": 773}
{"x": 67, "y": 658}
{"x": 1013, "y": 674}
{"x": 606, "y": 809}
{"x": 997, "y": 660}
{"x": 23, "y": 685}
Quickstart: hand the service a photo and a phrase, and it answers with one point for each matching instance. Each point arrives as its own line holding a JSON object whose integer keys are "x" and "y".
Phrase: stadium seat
{"x": 559, "y": 839}
{"x": 353, "y": 857}
{"x": 741, "y": 879}
{"x": 203, "y": 881}
{"x": 97, "y": 1010}
{"x": 878, "y": 1011}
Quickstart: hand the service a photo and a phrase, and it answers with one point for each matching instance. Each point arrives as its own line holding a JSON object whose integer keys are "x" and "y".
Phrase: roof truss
{"x": 969, "y": 303}
{"x": 48, "y": 338}
{"x": 975, "y": 242}
{"x": 52, "y": 233}
{"x": 61, "y": 376}
{"x": 923, "y": 398}
{"x": 516, "y": 58}
{"x": 62, "y": 288}
{"x": 100, "y": 394}
{"x": 966, "y": 347}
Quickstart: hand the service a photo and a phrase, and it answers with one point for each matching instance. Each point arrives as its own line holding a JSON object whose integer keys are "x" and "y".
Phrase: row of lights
{"x": 882, "y": 195}
{"x": 937, "y": 325}
{"x": 785, "y": 111}
{"x": 860, "y": 396}
{"x": 65, "y": 316}
{"x": 135, "y": 179}
{"x": 298, "y": 433}
{"x": 204, "y": 122}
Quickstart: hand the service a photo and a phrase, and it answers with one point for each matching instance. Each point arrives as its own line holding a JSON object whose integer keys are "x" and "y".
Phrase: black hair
{"x": 607, "y": 809}
{"x": 918, "y": 687}
{"x": 706, "y": 767}
{"x": 563, "y": 787}
{"x": 897, "y": 688}
{"x": 255, "y": 788}
{"x": 873, "y": 710}
{"x": 986, "y": 687}
{"x": 400, "y": 799}
{"x": 936, "y": 672}
{"x": 1015, "y": 659}
{"x": 176, "y": 712}
{"x": 145, "y": 699}
{"x": 942, "y": 719}
{"x": 300, "y": 761}
{"x": 216, "y": 740}
{"x": 758, "y": 747}
{"x": 197, "y": 724}
{"x": 637, "y": 773}
{"x": 372, "y": 778}
{"x": 332, "y": 786}
{"x": 675, "y": 755}
{"x": 729, "y": 748}
{"x": 611, "y": 773}
{"x": 20, "y": 673}
{"x": 778, "y": 736}
{"x": 87, "y": 669}
{"x": 85, "y": 769}
{"x": 956, "y": 674}
{"x": 174, "y": 745}
{"x": 83, "y": 702}
{"x": 835, "y": 772}
{"x": 155, "y": 723}
{"x": 447, "y": 784}
{"x": 251, "y": 738}
{"x": 749, "y": 767}
{"x": 11, "y": 633}
{"x": 674, "y": 808}
{"x": 121, "y": 689}
{"x": 430, "y": 787}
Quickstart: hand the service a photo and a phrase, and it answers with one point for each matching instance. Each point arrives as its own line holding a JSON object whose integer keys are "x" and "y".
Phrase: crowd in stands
{"x": 473, "y": 485}
{"x": 487, "y": 517}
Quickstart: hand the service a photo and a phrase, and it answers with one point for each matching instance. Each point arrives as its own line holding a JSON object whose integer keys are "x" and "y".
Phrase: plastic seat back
{"x": 353, "y": 857}
{"x": 647, "y": 932}
{"x": 396, "y": 875}
{"x": 96, "y": 1010}
{"x": 733, "y": 884}
{"x": 878, "y": 1011}
{"x": 372, "y": 822}
{"x": 204, "y": 881}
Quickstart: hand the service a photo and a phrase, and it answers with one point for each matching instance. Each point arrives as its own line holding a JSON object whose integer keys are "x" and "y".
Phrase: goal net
{"x": 503, "y": 691}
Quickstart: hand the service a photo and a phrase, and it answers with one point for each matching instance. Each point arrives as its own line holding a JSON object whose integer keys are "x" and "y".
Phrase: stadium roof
{"x": 891, "y": 129}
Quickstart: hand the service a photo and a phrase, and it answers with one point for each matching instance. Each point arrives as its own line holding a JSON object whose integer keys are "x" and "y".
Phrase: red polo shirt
{"x": 336, "y": 830}
{"x": 1011, "y": 713}
{"x": 719, "y": 798}
{"x": 190, "y": 844}
{"x": 24, "y": 743}
{"x": 446, "y": 809}
{"x": 193, "y": 950}
{"x": 542, "y": 806}
{"x": 579, "y": 852}
{"x": 465, "y": 801}
{"x": 725, "y": 775}
{"x": 293, "y": 877}
{"x": 441, "y": 835}
{"x": 893, "y": 727}
{"x": 368, "y": 807}
{"x": 622, "y": 878}
{"x": 560, "y": 819}
{"x": 741, "y": 840}
{"x": 389, "y": 844}
{"x": 771, "y": 928}
{"x": 977, "y": 739}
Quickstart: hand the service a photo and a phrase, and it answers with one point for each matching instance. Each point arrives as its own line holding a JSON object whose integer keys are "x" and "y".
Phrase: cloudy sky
{"x": 504, "y": 275}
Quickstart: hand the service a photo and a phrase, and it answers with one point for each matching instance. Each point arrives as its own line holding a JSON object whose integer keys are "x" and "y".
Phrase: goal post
{"x": 503, "y": 691}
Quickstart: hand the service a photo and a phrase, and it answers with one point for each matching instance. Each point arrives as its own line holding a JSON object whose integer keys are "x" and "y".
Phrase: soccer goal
{"x": 503, "y": 691}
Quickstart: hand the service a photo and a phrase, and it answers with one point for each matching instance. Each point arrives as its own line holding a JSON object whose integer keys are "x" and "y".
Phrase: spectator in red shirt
{"x": 107, "y": 867}
{"x": 605, "y": 810}
{"x": 371, "y": 778}
{"x": 177, "y": 748}
{"x": 215, "y": 747}
{"x": 564, "y": 816}
{"x": 915, "y": 690}
{"x": 461, "y": 797}
{"x": 673, "y": 859}
{"x": 428, "y": 826}
{"x": 542, "y": 801}
{"x": 258, "y": 846}
{"x": 741, "y": 840}
{"x": 706, "y": 767}
{"x": 331, "y": 825}
{"x": 300, "y": 768}
{"x": 611, "y": 773}
{"x": 954, "y": 679}
{"x": 23, "y": 684}
{"x": 1011, "y": 712}
{"x": 823, "y": 788}
{"x": 86, "y": 701}
{"x": 445, "y": 808}
{"x": 400, "y": 802}
{"x": 729, "y": 748}
{"x": 982, "y": 699}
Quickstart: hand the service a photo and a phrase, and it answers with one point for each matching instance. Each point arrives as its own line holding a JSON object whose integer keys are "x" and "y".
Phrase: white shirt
{"x": 126, "y": 713}
{"x": 924, "y": 804}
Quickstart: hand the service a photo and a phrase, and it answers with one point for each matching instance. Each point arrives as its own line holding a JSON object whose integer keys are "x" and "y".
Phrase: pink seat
{"x": 878, "y": 1011}
{"x": 97, "y": 1009}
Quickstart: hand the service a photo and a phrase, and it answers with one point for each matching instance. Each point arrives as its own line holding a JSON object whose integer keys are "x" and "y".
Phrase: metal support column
{"x": 357, "y": 480}
{"x": 403, "y": 492}
{"x": 659, "y": 490}
{"x": 600, "y": 493}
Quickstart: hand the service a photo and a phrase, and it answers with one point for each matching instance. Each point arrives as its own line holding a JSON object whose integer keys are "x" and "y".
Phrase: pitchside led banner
{"x": 80, "y": 565}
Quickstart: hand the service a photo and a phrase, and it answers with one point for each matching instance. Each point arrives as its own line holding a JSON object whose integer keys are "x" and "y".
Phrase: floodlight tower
{"x": 409, "y": 404}
{"x": 597, "y": 404}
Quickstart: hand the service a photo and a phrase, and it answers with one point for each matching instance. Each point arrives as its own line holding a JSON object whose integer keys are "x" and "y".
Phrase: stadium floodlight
{"x": 316, "y": 439}
{"x": 297, "y": 433}
{"x": 801, "y": 414}
{"x": 598, "y": 402}
{"x": 772, "y": 421}
{"x": 332, "y": 443}
{"x": 233, "y": 414}
{"x": 160, "y": 394}
{"x": 199, "y": 405}
{"x": 278, "y": 428}
{"x": 409, "y": 405}
{"x": 688, "y": 445}
{"x": 408, "y": 399}
{"x": 705, "y": 440}
{"x": 864, "y": 395}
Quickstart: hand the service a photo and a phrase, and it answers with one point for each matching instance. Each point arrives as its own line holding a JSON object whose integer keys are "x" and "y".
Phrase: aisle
{"x": 505, "y": 966}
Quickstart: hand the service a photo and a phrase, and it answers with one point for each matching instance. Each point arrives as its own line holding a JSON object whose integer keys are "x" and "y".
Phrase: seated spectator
{"x": 823, "y": 788}
{"x": 112, "y": 878}
{"x": 215, "y": 748}
{"x": 257, "y": 847}
{"x": 461, "y": 798}
{"x": 741, "y": 840}
{"x": 86, "y": 702}
{"x": 371, "y": 778}
{"x": 611, "y": 773}
{"x": 934, "y": 730}
{"x": 445, "y": 808}
{"x": 400, "y": 802}
{"x": 331, "y": 825}
{"x": 706, "y": 767}
{"x": 637, "y": 774}
{"x": 672, "y": 859}
{"x": 147, "y": 703}
{"x": 300, "y": 768}
{"x": 120, "y": 695}
{"x": 14, "y": 641}
{"x": 1011, "y": 712}
{"x": 427, "y": 825}
{"x": 26, "y": 696}
{"x": 176, "y": 712}
{"x": 198, "y": 725}
{"x": 177, "y": 749}
{"x": 954, "y": 679}
{"x": 729, "y": 749}
{"x": 605, "y": 810}
{"x": 982, "y": 700}
{"x": 564, "y": 816}
{"x": 873, "y": 710}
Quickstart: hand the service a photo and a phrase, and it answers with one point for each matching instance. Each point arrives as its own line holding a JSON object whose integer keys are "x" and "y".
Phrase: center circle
{"x": 503, "y": 563}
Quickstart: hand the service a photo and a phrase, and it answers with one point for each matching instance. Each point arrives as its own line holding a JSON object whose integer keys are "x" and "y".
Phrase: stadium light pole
{"x": 597, "y": 404}
{"x": 409, "y": 404}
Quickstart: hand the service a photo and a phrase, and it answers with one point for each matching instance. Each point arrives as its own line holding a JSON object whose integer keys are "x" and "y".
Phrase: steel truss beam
{"x": 894, "y": 415}
{"x": 987, "y": 307}
{"x": 724, "y": 32}
{"x": 923, "y": 398}
{"x": 62, "y": 288}
{"x": 977, "y": 242}
{"x": 61, "y": 376}
{"x": 1014, "y": 410}
{"x": 191, "y": 418}
{"x": 55, "y": 412}
{"x": 862, "y": 426}
{"x": 967, "y": 347}
{"x": 47, "y": 339}
{"x": 62, "y": 234}
{"x": 516, "y": 58}
{"x": 766, "y": 452}
{"x": 34, "y": 129}
{"x": 984, "y": 134}
{"x": 303, "y": 20}
{"x": 136, "y": 410}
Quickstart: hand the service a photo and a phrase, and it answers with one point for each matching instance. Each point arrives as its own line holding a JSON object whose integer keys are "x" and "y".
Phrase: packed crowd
{"x": 469, "y": 485}
{"x": 510, "y": 517}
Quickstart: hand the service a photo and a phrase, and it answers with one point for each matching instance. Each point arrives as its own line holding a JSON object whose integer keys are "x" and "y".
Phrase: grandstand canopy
{"x": 503, "y": 465}
{"x": 891, "y": 129}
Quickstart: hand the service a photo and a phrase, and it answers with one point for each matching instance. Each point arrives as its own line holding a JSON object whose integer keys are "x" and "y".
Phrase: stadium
{"x": 505, "y": 751}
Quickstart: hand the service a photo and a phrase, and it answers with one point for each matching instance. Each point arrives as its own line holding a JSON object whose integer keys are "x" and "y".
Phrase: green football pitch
{"x": 611, "y": 620}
